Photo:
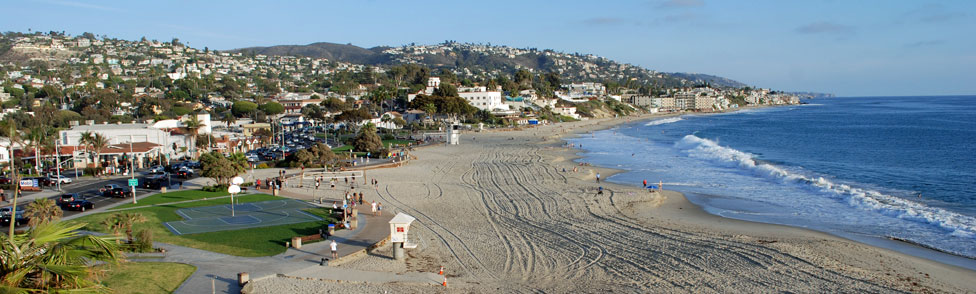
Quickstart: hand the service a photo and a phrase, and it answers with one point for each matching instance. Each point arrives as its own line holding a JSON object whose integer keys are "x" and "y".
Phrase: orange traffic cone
{"x": 445, "y": 282}
{"x": 442, "y": 271}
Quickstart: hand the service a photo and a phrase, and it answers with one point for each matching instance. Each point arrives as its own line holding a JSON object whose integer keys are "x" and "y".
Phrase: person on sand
{"x": 373, "y": 207}
{"x": 335, "y": 249}
{"x": 600, "y": 191}
{"x": 379, "y": 208}
{"x": 597, "y": 177}
{"x": 335, "y": 205}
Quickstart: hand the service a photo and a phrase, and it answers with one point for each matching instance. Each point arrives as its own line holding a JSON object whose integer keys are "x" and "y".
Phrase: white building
{"x": 117, "y": 134}
{"x": 4, "y": 150}
{"x": 569, "y": 111}
{"x": 483, "y": 99}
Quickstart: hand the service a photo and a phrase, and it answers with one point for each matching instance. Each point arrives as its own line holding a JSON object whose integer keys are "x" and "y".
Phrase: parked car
{"x": 78, "y": 204}
{"x": 252, "y": 158}
{"x": 107, "y": 189}
{"x": 67, "y": 197}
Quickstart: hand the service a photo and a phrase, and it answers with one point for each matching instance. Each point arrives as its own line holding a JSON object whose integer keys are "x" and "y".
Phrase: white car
{"x": 62, "y": 179}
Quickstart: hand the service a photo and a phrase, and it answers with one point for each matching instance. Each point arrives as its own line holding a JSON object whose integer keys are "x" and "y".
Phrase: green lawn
{"x": 174, "y": 197}
{"x": 146, "y": 277}
{"x": 262, "y": 241}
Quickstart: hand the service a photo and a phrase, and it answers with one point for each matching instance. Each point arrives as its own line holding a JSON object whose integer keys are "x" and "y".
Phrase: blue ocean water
{"x": 874, "y": 167}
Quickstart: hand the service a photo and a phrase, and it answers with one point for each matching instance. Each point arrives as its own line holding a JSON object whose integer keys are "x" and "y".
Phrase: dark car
{"x": 185, "y": 173}
{"x": 155, "y": 182}
{"x": 118, "y": 192}
{"x": 68, "y": 197}
{"x": 107, "y": 190}
{"x": 19, "y": 218}
{"x": 78, "y": 204}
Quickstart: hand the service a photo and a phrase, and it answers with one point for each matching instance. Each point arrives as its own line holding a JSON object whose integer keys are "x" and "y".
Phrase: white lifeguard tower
{"x": 453, "y": 134}
{"x": 399, "y": 227}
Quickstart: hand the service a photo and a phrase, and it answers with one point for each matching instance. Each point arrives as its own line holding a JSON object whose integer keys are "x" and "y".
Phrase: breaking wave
{"x": 664, "y": 121}
{"x": 866, "y": 199}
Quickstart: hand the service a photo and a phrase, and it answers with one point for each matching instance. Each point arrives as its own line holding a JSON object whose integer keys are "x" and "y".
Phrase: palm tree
{"x": 53, "y": 257}
{"x": 123, "y": 222}
{"x": 36, "y": 138}
{"x": 14, "y": 136}
{"x": 192, "y": 125}
{"x": 98, "y": 142}
{"x": 113, "y": 223}
{"x": 42, "y": 211}
{"x": 229, "y": 118}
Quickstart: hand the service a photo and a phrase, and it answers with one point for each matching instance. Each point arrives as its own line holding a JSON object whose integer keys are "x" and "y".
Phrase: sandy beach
{"x": 499, "y": 213}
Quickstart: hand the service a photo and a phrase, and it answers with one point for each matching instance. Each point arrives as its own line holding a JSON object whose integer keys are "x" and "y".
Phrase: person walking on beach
{"x": 597, "y": 177}
{"x": 317, "y": 185}
{"x": 335, "y": 249}
{"x": 373, "y": 207}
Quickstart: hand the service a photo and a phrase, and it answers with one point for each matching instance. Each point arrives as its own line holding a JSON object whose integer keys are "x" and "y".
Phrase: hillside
{"x": 475, "y": 59}
{"x": 710, "y": 79}
{"x": 332, "y": 51}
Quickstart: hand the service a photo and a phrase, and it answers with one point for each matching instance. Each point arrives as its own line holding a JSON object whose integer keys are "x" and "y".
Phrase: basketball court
{"x": 247, "y": 215}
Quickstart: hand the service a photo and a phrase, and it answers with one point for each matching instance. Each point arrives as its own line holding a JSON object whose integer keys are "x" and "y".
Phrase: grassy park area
{"x": 146, "y": 277}
{"x": 262, "y": 241}
{"x": 171, "y": 197}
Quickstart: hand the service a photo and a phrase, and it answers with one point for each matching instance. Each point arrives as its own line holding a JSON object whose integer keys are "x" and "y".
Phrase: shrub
{"x": 144, "y": 241}
{"x": 262, "y": 165}
{"x": 91, "y": 171}
{"x": 215, "y": 188}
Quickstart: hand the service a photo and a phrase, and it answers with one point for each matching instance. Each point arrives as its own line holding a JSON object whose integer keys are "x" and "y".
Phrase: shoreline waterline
{"x": 887, "y": 243}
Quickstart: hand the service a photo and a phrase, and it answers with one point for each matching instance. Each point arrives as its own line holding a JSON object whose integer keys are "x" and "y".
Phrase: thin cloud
{"x": 681, "y": 4}
{"x": 932, "y": 13}
{"x": 601, "y": 21}
{"x": 942, "y": 17}
{"x": 83, "y": 5}
{"x": 925, "y": 43}
{"x": 824, "y": 27}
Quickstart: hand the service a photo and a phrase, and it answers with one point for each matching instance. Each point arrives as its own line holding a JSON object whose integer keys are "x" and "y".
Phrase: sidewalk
{"x": 221, "y": 269}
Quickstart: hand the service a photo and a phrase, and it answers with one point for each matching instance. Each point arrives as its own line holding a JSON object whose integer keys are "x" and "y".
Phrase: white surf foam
{"x": 957, "y": 224}
{"x": 664, "y": 121}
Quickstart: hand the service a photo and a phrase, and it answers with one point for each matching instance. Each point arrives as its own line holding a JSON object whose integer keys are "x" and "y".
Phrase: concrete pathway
{"x": 219, "y": 271}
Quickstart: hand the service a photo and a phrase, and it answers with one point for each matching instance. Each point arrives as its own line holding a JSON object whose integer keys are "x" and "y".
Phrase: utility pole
{"x": 16, "y": 181}
{"x": 132, "y": 169}
{"x": 57, "y": 162}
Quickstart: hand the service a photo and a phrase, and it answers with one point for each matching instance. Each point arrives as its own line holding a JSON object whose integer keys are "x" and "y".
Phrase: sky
{"x": 849, "y": 48}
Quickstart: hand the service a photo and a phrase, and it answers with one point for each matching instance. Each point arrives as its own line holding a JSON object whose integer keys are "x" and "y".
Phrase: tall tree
{"x": 367, "y": 140}
{"x": 53, "y": 258}
{"x": 15, "y": 138}
{"x": 98, "y": 143}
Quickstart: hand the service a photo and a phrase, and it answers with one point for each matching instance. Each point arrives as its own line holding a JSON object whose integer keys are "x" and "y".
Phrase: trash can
{"x": 331, "y": 229}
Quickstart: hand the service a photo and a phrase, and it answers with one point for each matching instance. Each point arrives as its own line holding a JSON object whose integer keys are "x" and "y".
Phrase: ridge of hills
{"x": 472, "y": 59}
